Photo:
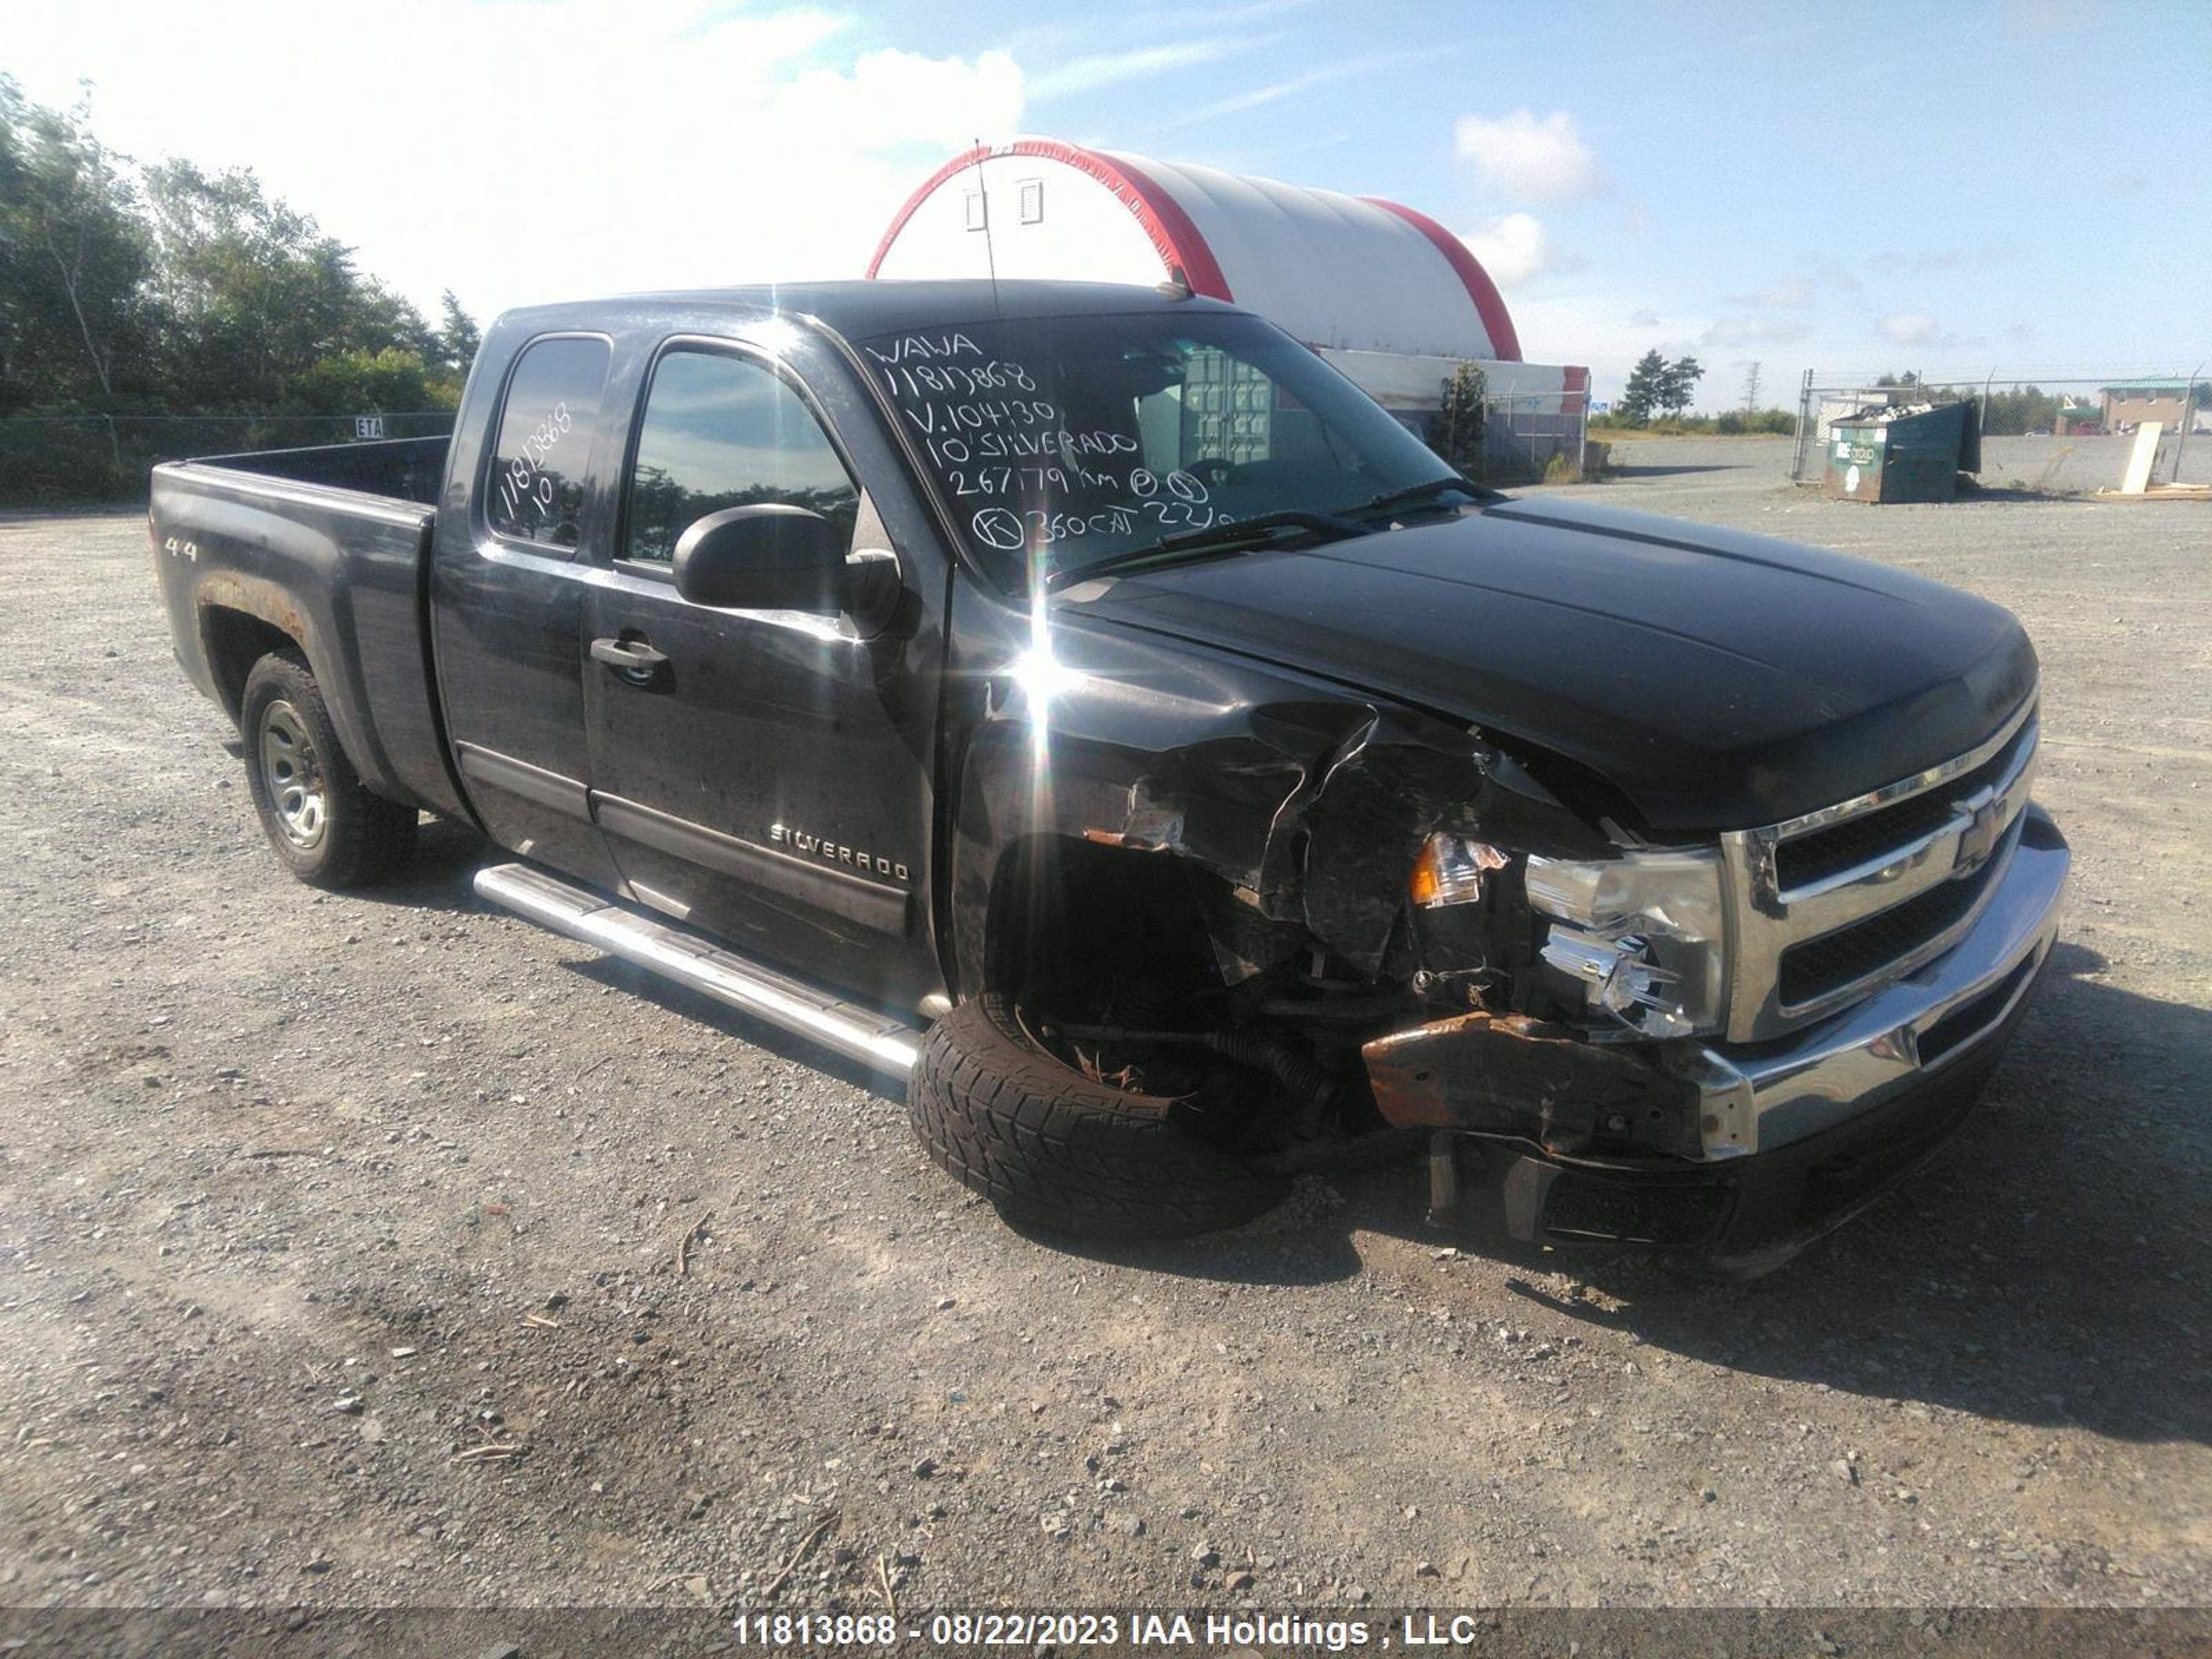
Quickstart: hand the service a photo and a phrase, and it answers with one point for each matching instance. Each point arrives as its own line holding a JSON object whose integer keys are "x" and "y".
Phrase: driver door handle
{"x": 630, "y": 656}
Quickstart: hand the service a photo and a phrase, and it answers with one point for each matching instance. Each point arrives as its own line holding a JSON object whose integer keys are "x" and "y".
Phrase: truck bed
{"x": 327, "y": 550}
{"x": 399, "y": 470}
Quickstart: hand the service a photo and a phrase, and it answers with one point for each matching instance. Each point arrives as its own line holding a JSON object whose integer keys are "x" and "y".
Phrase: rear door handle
{"x": 632, "y": 657}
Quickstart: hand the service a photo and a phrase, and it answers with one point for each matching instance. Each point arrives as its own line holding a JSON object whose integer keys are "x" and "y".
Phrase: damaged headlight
{"x": 1643, "y": 936}
{"x": 1450, "y": 870}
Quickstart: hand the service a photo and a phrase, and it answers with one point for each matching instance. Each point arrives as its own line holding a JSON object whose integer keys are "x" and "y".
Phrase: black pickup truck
{"x": 1084, "y": 700}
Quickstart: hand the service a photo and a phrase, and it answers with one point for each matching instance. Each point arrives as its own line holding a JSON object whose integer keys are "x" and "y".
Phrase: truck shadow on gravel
{"x": 2045, "y": 1268}
{"x": 632, "y": 980}
{"x": 439, "y": 875}
{"x": 1630, "y": 470}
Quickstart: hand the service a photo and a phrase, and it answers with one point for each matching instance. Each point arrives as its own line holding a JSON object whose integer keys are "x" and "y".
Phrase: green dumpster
{"x": 1913, "y": 454}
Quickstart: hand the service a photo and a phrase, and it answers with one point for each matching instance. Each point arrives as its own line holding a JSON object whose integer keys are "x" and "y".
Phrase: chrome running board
{"x": 860, "y": 1033}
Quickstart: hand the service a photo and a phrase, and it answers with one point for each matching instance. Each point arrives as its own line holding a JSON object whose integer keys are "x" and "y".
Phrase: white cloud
{"x": 1799, "y": 290}
{"x": 1909, "y": 328}
{"x": 1755, "y": 331}
{"x": 1645, "y": 318}
{"x": 1237, "y": 103}
{"x": 1107, "y": 68}
{"x": 893, "y": 98}
{"x": 1833, "y": 272}
{"x": 539, "y": 152}
{"x": 1515, "y": 248}
{"x": 1922, "y": 261}
{"x": 1792, "y": 293}
{"x": 1529, "y": 160}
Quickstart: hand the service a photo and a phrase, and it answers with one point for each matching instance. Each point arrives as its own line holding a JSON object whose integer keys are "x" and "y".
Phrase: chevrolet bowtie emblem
{"x": 1978, "y": 840}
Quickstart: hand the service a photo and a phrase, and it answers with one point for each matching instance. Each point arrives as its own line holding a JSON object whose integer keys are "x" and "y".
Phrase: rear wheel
{"x": 1056, "y": 1149}
{"x": 322, "y": 821}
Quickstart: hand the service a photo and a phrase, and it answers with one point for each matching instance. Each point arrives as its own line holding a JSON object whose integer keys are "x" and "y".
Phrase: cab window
{"x": 722, "y": 431}
{"x": 535, "y": 490}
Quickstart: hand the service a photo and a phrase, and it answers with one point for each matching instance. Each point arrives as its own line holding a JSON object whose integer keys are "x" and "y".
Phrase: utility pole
{"x": 1751, "y": 389}
{"x": 1806, "y": 424}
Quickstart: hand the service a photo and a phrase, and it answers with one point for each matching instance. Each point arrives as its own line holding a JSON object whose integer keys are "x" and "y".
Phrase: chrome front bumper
{"x": 1759, "y": 1096}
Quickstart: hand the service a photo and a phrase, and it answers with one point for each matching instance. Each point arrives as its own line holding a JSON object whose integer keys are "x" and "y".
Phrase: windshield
{"x": 1063, "y": 442}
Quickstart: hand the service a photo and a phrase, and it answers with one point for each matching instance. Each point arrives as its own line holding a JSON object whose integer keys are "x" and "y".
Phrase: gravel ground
{"x": 2087, "y": 464}
{"x": 338, "y": 1237}
{"x": 2011, "y": 466}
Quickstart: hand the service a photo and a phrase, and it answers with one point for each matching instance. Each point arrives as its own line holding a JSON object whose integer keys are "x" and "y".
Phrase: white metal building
{"x": 1386, "y": 293}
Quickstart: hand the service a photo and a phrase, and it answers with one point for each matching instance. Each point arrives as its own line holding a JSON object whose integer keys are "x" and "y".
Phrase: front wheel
{"x": 322, "y": 821}
{"x": 1063, "y": 1151}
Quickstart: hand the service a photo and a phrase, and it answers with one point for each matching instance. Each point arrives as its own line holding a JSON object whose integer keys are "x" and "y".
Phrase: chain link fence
{"x": 2071, "y": 408}
{"x": 1527, "y": 438}
{"x": 48, "y": 458}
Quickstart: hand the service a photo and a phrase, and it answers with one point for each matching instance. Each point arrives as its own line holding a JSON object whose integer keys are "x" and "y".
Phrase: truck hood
{"x": 1718, "y": 680}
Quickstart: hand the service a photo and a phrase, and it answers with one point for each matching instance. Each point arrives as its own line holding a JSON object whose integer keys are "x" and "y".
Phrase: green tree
{"x": 74, "y": 261}
{"x": 391, "y": 381}
{"x": 1677, "y": 384}
{"x": 1456, "y": 429}
{"x": 2005, "y": 413}
{"x": 459, "y": 338}
{"x": 255, "y": 294}
{"x": 1646, "y": 388}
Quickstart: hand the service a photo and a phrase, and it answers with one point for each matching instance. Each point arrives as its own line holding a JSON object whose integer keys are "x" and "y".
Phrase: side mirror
{"x": 769, "y": 557}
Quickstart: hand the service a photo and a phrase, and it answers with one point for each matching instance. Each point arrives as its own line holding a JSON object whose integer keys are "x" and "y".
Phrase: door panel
{"x": 507, "y": 600}
{"x": 769, "y": 780}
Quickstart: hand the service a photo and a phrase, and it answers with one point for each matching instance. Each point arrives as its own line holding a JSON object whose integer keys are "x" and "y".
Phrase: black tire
{"x": 1055, "y": 1150}
{"x": 328, "y": 830}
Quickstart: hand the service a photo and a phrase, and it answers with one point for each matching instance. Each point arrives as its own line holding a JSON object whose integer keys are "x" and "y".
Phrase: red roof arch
{"x": 1489, "y": 303}
{"x": 1250, "y": 216}
{"x": 1177, "y": 240}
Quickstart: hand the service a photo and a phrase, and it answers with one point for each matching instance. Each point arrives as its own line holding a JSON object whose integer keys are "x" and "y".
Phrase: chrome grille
{"x": 1811, "y": 857}
{"x": 1827, "y": 908}
{"x": 1818, "y": 966}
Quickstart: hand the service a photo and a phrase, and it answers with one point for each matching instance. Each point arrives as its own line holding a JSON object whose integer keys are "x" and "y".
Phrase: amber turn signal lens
{"x": 1428, "y": 879}
{"x": 1450, "y": 871}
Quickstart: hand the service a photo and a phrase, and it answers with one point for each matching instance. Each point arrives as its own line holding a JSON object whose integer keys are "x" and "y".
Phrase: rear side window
{"x": 722, "y": 431}
{"x": 536, "y": 487}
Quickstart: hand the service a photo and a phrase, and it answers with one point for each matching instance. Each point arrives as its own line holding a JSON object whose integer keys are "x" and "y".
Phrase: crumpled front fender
{"x": 1311, "y": 801}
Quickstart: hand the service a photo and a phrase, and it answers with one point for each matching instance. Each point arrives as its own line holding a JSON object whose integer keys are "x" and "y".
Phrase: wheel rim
{"x": 292, "y": 776}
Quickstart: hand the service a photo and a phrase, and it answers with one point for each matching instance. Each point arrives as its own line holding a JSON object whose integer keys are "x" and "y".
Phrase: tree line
{"x": 1657, "y": 397}
{"x": 166, "y": 289}
{"x": 1658, "y": 394}
{"x": 2009, "y": 412}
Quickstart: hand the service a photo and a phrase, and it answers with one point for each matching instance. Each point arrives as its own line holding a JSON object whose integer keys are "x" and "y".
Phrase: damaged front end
{"x": 1316, "y": 921}
{"x": 1311, "y": 919}
{"x": 1625, "y": 1122}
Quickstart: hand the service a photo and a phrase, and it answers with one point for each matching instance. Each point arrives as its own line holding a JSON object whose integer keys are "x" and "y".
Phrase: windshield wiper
{"x": 1336, "y": 525}
{"x": 1241, "y": 535}
{"x": 1422, "y": 492}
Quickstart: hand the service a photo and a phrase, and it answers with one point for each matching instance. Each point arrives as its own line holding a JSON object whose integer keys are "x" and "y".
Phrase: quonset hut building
{"x": 1382, "y": 290}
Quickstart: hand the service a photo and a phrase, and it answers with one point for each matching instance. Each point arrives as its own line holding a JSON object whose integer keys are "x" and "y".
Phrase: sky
{"x": 1957, "y": 188}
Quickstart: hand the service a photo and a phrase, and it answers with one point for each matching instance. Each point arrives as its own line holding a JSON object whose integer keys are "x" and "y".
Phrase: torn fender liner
{"x": 1310, "y": 802}
{"x": 1316, "y": 811}
{"x": 1509, "y": 1074}
{"x": 1380, "y": 797}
